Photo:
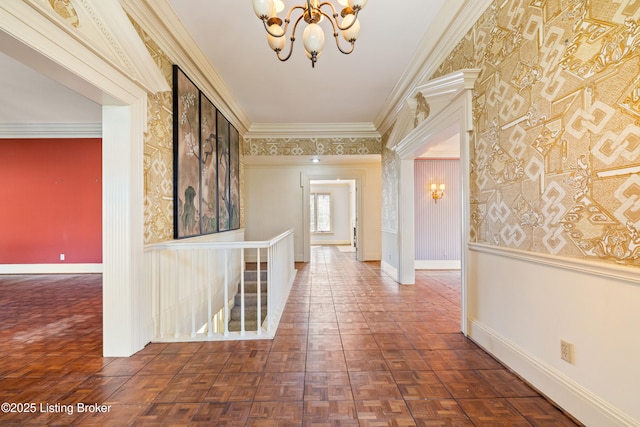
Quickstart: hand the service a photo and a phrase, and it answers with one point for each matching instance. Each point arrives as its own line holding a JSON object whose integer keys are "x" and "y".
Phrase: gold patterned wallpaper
{"x": 158, "y": 153}
{"x": 555, "y": 163}
{"x": 311, "y": 146}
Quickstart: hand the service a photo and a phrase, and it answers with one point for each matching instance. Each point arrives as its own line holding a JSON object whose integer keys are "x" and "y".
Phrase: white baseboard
{"x": 389, "y": 270}
{"x": 320, "y": 242}
{"x": 581, "y": 403}
{"x": 437, "y": 264}
{"x": 50, "y": 268}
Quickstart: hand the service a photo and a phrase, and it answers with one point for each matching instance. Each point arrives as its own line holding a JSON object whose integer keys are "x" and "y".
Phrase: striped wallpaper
{"x": 437, "y": 225}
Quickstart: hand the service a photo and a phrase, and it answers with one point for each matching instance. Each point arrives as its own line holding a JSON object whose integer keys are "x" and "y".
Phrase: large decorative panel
{"x": 556, "y": 156}
{"x": 203, "y": 140}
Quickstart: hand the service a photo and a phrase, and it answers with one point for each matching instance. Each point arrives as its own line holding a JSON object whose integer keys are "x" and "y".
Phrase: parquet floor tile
{"x": 420, "y": 385}
{"x": 492, "y": 412}
{"x": 379, "y": 412}
{"x": 438, "y": 412}
{"x": 328, "y": 386}
{"x": 230, "y": 414}
{"x": 353, "y": 348}
{"x": 281, "y": 386}
{"x": 374, "y": 385}
{"x": 234, "y": 387}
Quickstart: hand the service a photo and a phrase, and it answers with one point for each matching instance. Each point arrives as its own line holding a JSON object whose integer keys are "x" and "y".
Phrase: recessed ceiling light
{"x": 315, "y": 160}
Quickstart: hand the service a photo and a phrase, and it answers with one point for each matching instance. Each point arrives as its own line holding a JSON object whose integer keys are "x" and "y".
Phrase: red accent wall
{"x": 50, "y": 201}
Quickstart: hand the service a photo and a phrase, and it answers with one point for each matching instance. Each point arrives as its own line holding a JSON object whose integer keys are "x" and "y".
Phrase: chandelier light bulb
{"x": 276, "y": 43}
{"x": 263, "y": 8}
{"x": 278, "y": 5}
{"x": 357, "y": 4}
{"x": 313, "y": 38}
{"x": 352, "y": 33}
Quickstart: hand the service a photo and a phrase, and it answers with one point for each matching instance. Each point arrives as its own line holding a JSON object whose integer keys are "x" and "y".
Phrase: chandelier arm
{"x": 336, "y": 36}
{"x": 292, "y": 39}
{"x": 346, "y": 52}
{"x": 335, "y": 15}
{"x": 287, "y": 21}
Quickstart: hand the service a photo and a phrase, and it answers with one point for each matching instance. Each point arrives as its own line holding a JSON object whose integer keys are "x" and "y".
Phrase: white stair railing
{"x": 194, "y": 285}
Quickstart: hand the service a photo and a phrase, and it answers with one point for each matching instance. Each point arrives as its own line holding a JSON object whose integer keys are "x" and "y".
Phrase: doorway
{"x": 123, "y": 102}
{"x": 452, "y": 104}
{"x": 346, "y": 219}
{"x": 333, "y": 213}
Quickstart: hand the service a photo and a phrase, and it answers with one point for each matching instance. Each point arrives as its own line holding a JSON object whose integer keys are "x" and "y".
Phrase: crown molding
{"x": 313, "y": 130}
{"x": 158, "y": 19}
{"x": 50, "y": 130}
{"x": 454, "y": 22}
{"x": 105, "y": 29}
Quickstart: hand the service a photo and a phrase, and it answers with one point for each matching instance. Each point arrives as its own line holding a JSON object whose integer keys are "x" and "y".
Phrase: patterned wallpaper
{"x": 556, "y": 151}
{"x": 158, "y": 154}
{"x": 390, "y": 183}
{"x": 310, "y": 146}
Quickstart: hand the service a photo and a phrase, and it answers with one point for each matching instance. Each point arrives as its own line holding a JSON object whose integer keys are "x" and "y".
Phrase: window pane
{"x": 323, "y": 202}
{"x": 312, "y": 209}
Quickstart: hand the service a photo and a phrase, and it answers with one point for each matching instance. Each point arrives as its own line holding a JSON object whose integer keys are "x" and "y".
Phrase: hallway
{"x": 353, "y": 348}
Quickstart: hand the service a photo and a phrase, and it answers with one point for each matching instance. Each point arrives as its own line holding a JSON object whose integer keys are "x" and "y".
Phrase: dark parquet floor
{"x": 353, "y": 349}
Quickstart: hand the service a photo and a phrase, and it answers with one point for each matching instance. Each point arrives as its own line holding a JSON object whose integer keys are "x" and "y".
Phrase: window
{"x": 320, "y": 208}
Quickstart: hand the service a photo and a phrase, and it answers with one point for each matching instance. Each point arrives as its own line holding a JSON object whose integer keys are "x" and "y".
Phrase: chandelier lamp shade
{"x": 312, "y": 12}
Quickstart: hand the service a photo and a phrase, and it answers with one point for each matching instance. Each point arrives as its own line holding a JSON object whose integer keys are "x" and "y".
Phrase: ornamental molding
{"x": 442, "y": 95}
{"x": 103, "y": 28}
{"x": 454, "y": 22}
{"x": 312, "y": 130}
{"x": 50, "y": 130}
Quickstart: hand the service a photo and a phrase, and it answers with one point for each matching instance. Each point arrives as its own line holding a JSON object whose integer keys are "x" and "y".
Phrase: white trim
{"x": 574, "y": 398}
{"x": 50, "y": 130}
{"x": 456, "y": 18}
{"x": 389, "y": 270}
{"x": 329, "y": 242}
{"x": 313, "y": 130}
{"x": 609, "y": 271}
{"x": 437, "y": 264}
{"x": 50, "y": 268}
{"x": 106, "y": 30}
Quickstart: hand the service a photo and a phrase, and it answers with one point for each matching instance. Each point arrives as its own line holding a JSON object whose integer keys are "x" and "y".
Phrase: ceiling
{"x": 28, "y": 96}
{"x": 341, "y": 89}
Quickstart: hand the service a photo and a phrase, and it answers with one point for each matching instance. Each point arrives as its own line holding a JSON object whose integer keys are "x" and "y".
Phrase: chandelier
{"x": 312, "y": 12}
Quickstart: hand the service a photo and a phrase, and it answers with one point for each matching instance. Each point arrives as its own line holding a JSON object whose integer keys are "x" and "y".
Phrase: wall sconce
{"x": 437, "y": 193}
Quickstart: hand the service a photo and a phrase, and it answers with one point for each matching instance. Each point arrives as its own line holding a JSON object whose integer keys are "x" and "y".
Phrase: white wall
{"x": 275, "y": 201}
{"x": 521, "y": 305}
{"x": 341, "y": 230}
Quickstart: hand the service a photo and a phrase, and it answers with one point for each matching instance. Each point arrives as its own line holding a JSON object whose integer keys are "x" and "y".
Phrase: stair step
{"x": 252, "y": 275}
{"x": 250, "y": 300}
{"x": 251, "y": 287}
{"x": 234, "y": 326}
{"x": 250, "y": 313}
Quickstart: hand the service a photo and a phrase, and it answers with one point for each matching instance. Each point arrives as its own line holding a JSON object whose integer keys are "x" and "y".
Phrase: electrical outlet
{"x": 566, "y": 351}
{"x": 61, "y": 257}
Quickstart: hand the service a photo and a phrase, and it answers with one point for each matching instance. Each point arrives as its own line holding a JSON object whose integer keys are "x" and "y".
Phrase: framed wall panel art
{"x": 186, "y": 149}
{"x": 206, "y": 163}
